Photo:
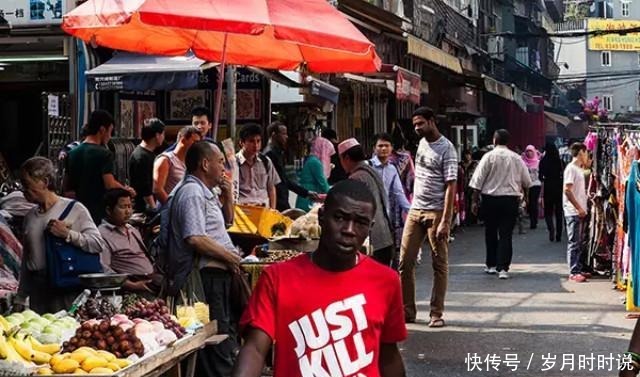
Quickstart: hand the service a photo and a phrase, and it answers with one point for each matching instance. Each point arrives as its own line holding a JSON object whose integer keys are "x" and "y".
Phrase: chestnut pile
{"x": 96, "y": 308}
{"x": 105, "y": 337}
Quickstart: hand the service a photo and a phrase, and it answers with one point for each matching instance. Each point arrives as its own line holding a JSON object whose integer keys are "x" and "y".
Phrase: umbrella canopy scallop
{"x": 272, "y": 34}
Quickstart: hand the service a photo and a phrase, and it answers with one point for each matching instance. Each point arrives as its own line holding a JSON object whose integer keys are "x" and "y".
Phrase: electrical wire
{"x": 612, "y": 74}
{"x": 510, "y": 34}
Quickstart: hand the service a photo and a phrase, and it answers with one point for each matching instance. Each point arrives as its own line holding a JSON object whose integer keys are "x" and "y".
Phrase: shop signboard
{"x": 613, "y": 41}
{"x": 32, "y": 12}
{"x": 408, "y": 86}
{"x": 105, "y": 83}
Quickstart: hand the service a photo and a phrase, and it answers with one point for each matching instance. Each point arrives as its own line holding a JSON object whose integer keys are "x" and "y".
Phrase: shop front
{"x": 33, "y": 60}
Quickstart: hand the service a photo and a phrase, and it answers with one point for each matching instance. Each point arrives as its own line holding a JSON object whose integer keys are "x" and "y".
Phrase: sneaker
{"x": 503, "y": 275}
{"x": 577, "y": 278}
{"x": 587, "y": 275}
{"x": 490, "y": 270}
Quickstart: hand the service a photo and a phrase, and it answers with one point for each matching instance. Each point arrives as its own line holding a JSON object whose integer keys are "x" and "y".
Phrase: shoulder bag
{"x": 65, "y": 261}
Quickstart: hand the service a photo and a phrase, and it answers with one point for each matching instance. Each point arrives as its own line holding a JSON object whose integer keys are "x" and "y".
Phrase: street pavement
{"x": 532, "y": 317}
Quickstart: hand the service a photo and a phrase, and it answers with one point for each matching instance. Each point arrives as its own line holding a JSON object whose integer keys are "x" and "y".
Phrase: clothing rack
{"x": 615, "y": 126}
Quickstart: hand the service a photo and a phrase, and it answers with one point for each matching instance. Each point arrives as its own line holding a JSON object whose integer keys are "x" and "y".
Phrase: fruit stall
{"x": 133, "y": 338}
{"x": 286, "y": 240}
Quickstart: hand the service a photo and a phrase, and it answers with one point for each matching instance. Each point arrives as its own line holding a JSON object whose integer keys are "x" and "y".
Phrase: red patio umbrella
{"x": 272, "y": 34}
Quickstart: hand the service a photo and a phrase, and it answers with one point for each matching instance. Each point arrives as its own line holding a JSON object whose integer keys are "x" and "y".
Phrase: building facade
{"x": 606, "y": 66}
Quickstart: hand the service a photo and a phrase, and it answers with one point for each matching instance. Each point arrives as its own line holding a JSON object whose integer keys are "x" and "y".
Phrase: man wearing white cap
{"x": 354, "y": 162}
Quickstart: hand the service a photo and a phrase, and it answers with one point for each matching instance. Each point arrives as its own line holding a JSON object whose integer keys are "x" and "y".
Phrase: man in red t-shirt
{"x": 331, "y": 313}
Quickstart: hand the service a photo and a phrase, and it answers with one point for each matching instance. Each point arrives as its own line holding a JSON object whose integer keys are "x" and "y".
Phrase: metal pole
{"x": 218, "y": 104}
{"x": 231, "y": 101}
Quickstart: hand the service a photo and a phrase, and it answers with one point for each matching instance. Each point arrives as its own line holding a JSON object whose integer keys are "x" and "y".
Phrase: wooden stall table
{"x": 168, "y": 360}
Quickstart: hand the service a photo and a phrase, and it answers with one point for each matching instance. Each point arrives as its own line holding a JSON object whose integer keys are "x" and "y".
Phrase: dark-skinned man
{"x": 430, "y": 215}
{"x": 323, "y": 311}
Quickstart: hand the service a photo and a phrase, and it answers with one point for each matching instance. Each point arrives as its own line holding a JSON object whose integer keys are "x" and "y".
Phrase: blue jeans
{"x": 576, "y": 244}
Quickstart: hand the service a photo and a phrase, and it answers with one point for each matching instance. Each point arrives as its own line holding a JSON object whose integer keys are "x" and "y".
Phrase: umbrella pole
{"x": 218, "y": 104}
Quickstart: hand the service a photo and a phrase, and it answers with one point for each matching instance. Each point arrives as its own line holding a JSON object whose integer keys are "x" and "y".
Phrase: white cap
{"x": 347, "y": 144}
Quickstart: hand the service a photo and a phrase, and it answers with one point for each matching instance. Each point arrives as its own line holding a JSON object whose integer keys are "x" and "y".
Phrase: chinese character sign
{"x": 32, "y": 12}
{"x": 613, "y": 42}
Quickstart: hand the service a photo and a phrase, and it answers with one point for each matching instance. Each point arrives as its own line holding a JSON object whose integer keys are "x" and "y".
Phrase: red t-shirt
{"x": 327, "y": 323}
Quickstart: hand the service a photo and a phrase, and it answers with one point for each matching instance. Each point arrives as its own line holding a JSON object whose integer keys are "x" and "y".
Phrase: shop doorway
{"x": 21, "y": 125}
{"x": 465, "y": 137}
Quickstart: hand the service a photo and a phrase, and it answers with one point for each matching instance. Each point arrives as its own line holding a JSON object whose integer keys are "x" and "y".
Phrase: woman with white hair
{"x": 37, "y": 176}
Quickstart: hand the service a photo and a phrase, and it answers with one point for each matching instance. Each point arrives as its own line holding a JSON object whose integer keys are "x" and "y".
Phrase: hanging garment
{"x": 633, "y": 221}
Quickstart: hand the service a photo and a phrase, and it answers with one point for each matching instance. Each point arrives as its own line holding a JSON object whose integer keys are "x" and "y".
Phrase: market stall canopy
{"x": 272, "y": 34}
{"x": 557, "y": 118}
{"x": 128, "y": 71}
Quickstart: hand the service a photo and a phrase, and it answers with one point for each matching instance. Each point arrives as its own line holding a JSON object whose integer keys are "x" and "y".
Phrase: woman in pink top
{"x": 169, "y": 167}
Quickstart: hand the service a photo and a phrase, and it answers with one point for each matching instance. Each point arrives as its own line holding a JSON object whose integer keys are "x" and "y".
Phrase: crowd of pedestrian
{"x": 379, "y": 211}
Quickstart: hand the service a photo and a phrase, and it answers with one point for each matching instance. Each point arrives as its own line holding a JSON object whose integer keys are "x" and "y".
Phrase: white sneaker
{"x": 503, "y": 275}
{"x": 490, "y": 270}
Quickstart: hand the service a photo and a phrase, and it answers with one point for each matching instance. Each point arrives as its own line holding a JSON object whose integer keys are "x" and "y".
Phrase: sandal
{"x": 436, "y": 322}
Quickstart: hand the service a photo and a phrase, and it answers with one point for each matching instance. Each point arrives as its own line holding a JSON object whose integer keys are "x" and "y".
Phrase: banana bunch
{"x": 5, "y": 325}
{"x": 21, "y": 347}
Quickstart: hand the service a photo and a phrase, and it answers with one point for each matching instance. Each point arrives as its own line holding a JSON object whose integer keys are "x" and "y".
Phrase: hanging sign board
{"x": 408, "y": 86}
{"x": 613, "y": 42}
{"x": 32, "y": 12}
{"x": 53, "y": 108}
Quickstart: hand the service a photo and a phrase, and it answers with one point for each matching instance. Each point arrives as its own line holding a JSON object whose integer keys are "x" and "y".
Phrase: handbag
{"x": 65, "y": 261}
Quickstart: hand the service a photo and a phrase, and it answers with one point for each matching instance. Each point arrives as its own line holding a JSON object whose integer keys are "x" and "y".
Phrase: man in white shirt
{"x": 574, "y": 202}
{"x": 502, "y": 178}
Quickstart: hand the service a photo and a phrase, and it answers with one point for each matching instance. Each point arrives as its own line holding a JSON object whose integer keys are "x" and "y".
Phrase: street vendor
{"x": 125, "y": 252}
{"x": 258, "y": 176}
{"x": 350, "y": 325}
{"x": 200, "y": 253}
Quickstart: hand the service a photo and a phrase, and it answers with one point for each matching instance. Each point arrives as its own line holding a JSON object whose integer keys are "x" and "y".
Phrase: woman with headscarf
{"x": 531, "y": 158}
{"x": 316, "y": 170}
{"x": 551, "y": 174}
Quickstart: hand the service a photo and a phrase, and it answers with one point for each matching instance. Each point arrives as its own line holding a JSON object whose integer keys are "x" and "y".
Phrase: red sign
{"x": 408, "y": 86}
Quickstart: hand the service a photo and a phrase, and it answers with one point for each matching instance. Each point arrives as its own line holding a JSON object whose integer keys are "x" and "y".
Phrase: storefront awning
{"x": 421, "y": 49}
{"x": 557, "y": 118}
{"x": 498, "y": 88}
{"x": 128, "y": 71}
{"x": 407, "y": 85}
{"x": 323, "y": 90}
{"x": 289, "y": 87}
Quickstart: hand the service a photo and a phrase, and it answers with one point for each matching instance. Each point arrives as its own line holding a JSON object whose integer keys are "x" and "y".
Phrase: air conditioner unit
{"x": 495, "y": 46}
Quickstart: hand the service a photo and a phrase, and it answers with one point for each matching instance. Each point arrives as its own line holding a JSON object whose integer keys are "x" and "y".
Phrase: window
{"x": 605, "y": 58}
{"x": 607, "y": 102}
{"x": 604, "y": 9}
{"x": 625, "y": 8}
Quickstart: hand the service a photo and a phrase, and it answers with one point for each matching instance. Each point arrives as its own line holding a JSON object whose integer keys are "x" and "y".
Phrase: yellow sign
{"x": 613, "y": 42}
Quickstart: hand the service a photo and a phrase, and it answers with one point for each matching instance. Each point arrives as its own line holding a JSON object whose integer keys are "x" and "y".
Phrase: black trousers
{"x": 218, "y": 360}
{"x": 553, "y": 211}
{"x": 534, "y": 196}
{"x": 385, "y": 256}
{"x": 499, "y": 214}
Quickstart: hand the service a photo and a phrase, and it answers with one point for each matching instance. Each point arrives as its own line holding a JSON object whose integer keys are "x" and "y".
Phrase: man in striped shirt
{"x": 430, "y": 215}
